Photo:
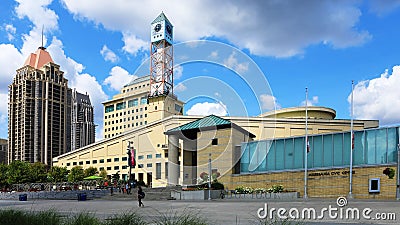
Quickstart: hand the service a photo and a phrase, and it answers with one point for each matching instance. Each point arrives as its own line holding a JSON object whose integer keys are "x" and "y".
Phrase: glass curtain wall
{"x": 371, "y": 147}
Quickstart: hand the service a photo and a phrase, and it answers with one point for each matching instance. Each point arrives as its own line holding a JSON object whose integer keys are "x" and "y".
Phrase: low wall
{"x": 283, "y": 195}
{"x": 62, "y": 195}
{"x": 195, "y": 195}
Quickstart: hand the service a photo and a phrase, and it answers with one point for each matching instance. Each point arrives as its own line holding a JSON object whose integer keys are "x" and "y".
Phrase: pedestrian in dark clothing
{"x": 140, "y": 196}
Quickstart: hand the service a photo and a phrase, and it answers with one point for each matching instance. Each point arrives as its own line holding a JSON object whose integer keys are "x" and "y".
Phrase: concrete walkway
{"x": 225, "y": 211}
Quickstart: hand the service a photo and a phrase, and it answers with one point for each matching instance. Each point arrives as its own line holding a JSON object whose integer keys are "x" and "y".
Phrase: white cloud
{"x": 133, "y": 44}
{"x": 378, "y": 98}
{"x": 207, "y": 108}
{"x": 180, "y": 88}
{"x": 232, "y": 62}
{"x": 10, "y": 60}
{"x": 118, "y": 78}
{"x": 38, "y": 13}
{"x": 268, "y": 102}
{"x": 213, "y": 55}
{"x": 11, "y": 30}
{"x": 178, "y": 72}
{"x": 310, "y": 102}
{"x": 268, "y": 28}
{"x": 108, "y": 55}
{"x": 4, "y": 104}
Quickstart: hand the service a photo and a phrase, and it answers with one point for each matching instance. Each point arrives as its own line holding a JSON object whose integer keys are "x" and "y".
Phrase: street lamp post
{"x": 129, "y": 152}
{"x": 209, "y": 176}
{"x": 398, "y": 173}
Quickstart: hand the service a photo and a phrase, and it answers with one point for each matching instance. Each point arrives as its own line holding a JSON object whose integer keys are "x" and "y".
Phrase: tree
{"x": 76, "y": 174}
{"x": 58, "y": 174}
{"x": 90, "y": 171}
{"x": 18, "y": 172}
{"x": 103, "y": 173}
{"x": 3, "y": 175}
{"x": 38, "y": 172}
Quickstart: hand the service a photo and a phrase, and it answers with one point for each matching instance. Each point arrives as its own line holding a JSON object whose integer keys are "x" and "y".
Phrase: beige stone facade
{"x": 335, "y": 183}
{"x": 131, "y": 108}
{"x": 151, "y": 145}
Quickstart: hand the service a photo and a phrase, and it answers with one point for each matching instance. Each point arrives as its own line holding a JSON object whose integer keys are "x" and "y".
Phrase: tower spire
{"x": 42, "y": 47}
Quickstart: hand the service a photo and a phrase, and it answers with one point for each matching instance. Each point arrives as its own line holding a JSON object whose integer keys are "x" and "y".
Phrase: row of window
{"x": 122, "y": 105}
{"x": 125, "y": 126}
{"x": 125, "y": 119}
{"x": 140, "y": 86}
{"x": 371, "y": 147}
{"x": 95, "y": 161}
{"x": 149, "y": 156}
{"x": 120, "y": 114}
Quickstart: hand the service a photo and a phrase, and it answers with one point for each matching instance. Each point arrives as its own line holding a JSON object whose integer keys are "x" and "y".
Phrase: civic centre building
{"x": 174, "y": 149}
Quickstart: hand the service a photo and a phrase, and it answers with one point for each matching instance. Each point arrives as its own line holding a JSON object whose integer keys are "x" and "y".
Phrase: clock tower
{"x": 161, "y": 57}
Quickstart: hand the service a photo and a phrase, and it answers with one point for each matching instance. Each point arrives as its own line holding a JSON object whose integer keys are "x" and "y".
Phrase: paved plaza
{"x": 226, "y": 211}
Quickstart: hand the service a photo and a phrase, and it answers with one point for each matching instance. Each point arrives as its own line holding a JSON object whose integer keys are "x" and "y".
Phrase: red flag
{"x": 352, "y": 140}
{"x": 308, "y": 145}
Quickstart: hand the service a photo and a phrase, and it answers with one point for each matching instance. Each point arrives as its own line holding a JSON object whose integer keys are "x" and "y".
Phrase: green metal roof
{"x": 138, "y": 80}
{"x": 160, "y": 18}
{"x": 208, "y": 121}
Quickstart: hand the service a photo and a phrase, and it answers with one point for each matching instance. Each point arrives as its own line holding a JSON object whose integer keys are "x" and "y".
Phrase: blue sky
{"x": 234, "y": 58}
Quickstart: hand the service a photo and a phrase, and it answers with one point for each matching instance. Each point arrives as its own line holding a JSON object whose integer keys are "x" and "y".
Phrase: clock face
{"x": 169, "y": 29}
{"x": 157, "y": 27}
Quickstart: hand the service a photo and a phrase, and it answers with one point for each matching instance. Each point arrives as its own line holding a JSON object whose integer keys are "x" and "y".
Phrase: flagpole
{"x": 351, "y": 142}
{"x": 305, "y": 150}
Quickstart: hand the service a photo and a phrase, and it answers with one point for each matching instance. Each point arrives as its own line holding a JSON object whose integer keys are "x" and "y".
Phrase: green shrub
{"x": 217, "y": 186}
{"x": 12, "y": 216}
{"x": 83, "y": 219}
{"x": 174, "y": 218}
{"x": 131, "y": 218}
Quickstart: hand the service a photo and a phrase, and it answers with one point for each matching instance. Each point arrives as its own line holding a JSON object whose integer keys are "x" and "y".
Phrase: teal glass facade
{"x": 371, "y": 147}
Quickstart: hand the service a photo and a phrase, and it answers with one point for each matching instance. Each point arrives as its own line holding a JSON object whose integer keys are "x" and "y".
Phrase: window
{"x": 108, "y": 160}
{"x": 158, "y": 156}
{"x": 74, "y": 163}
{"x": 214, "y": 141}
{"x": 108, "y": 167}
{"x": 116, "y": 159}
{"x": 374, "y": 185}
{"x": 149, "y": 156}
{"x": 94, "y": 161}
{"x": 140, "y": 157}
{"x": 109, "y": 108}
{"x": 178, "y": 108}
{"x": 124, "y": 159}
{"x": 149, "y": 165}
{"x": 101, "y": 168}
{"x": 124, "y": 167}
{"x": 166, "y": 170}
{"x": 140, "y": 166}
{"x": 101, "y": 160}
{"x": 158, "y": 170}
{"x": 143, "y": 100}
{"x": 135, "y": 102}
{"x": 121, "y": 105}
{"x": 68, "y": 164}
{"x": 81, "y": 163}
{"x": 87, "y": 162}
{"x": 130, "y": 103}
{"x": 116, "y": 167}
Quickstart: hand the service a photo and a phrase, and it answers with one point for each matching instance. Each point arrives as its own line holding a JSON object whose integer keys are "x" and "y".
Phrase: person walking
{"x": 140, "y": 196}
